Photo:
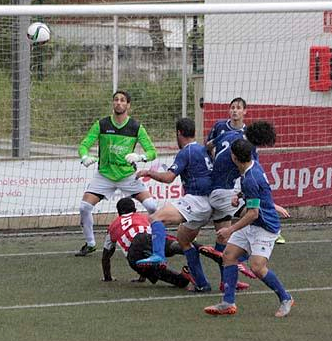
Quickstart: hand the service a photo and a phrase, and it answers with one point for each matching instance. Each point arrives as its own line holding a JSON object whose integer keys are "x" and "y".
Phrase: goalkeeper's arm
{"x": 147, "y": 145}
{"x": 86, "y": 144}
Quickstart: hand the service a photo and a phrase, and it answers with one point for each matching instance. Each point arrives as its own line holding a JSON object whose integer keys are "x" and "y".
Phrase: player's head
{"x": 261, "y": 134}
{"x": 124, "y": 93}
{"x": 239, "y": 101}
{"x": 121, "y": 102}
{"x": 237, "y": 109}
{"x": 186, "y": 126}
{"x": 241, "y": 151}
{"x": 125, "y": 205}
{"x": 185, "y": 129}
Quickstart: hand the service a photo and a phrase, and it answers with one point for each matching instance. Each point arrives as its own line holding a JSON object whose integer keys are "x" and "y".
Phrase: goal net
{"x": 175, "y": 61}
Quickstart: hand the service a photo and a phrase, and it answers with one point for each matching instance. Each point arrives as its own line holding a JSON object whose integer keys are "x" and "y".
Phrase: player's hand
{"x": 224, "y": 233}
{"x": 140, "y": 279}
{"x": 282, "y": 211}
{"x": 142, "y": 173}
{"x": 209, "y": 145}
{"x": 235, "y": 201}
{"x": 88, "y": 160}
{"x": 133, "y": 157}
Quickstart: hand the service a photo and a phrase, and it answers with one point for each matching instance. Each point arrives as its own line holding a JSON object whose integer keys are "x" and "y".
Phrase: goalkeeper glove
{"x": 133, "y": 157}
{"x": 88, "y": 160}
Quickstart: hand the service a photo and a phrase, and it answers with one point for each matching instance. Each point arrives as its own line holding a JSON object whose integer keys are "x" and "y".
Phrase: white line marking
{"x": 309, "y": 241}
{"x": 311, "y": 225}
{"x": 41, "y": 253}
{"x": 72, "y": 252}
{"x": 146, "y": 299}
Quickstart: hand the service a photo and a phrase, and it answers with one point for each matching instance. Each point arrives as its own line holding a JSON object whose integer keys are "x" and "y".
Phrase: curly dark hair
{"x": 261, "y": 134}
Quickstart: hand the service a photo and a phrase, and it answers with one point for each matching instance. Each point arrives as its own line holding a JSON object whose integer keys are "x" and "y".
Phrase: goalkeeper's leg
{"x": 86, "y": 207}
{"x": 87, "y": 222}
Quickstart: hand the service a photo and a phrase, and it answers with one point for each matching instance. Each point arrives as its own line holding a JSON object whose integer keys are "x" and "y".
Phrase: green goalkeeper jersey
{"x": 115, "y": 142}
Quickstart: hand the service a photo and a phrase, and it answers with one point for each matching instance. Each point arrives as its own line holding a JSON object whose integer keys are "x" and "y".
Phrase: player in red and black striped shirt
{"x": 132, "y": 232}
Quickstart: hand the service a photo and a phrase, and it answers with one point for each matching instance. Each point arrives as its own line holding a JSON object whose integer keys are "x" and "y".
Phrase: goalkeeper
{"x": 117, "y": 136}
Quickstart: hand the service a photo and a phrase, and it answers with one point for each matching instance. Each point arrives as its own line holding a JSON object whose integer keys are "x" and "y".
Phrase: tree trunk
{"x": 157, "y": 37}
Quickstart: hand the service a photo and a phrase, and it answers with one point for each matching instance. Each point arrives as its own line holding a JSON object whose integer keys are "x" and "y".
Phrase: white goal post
{"x": 175, "y": 60}
{"x": 166, "y": 9}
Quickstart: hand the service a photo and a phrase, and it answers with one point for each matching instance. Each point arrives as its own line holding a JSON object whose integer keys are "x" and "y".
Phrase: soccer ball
{"x": 38, "y": 33}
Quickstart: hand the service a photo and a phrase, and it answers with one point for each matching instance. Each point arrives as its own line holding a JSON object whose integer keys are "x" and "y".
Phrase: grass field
{"x": 48, "y": 294}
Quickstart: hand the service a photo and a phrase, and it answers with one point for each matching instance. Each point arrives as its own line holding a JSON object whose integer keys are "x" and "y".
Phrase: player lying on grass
{"x": 254, "y": 234}
{"x": 132, "y": 232}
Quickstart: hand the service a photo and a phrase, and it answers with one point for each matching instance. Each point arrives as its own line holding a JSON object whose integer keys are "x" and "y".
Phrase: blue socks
{"x": 195, "y": 267}
{"x": 158, "y": 238}
{"x": 272, "y": 281}
{"x": 221, "y": 248}
{"x": 230, "y": 280}
{"x": 243, "y": 258}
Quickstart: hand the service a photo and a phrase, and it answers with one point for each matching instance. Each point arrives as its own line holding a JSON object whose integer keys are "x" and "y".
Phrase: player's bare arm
{"x": 165, "y": 177}
{"x": 282, "y": 211}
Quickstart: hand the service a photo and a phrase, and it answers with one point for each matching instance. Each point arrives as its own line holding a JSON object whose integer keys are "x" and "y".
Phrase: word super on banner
{"x": 300, "y": 178}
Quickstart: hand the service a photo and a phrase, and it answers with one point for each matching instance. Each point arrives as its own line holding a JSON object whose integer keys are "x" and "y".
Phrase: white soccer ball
{"x": 38, "y": 33}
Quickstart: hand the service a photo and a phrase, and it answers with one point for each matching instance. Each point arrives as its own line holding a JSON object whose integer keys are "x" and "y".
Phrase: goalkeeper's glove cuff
{"x": 133, "y": 157}
{"x": 143, "y": 158}
{"x": 88, "y": 160}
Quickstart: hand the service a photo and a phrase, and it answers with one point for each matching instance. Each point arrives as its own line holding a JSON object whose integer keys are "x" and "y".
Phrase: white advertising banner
{"x": 55, "y": 187}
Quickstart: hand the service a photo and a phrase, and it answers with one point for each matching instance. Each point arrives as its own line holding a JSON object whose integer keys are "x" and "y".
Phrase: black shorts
{"x": 140, "y": 248}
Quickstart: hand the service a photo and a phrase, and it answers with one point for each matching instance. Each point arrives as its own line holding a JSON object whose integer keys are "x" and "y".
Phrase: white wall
{"x": 262, "y": 57}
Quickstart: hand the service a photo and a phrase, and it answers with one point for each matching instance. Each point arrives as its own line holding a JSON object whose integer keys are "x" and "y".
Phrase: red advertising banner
{"x": 299, "y": 178}
{"x": 327, "y": 22}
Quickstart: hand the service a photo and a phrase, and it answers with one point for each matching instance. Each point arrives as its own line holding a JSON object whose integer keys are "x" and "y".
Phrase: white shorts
{"x": 255, "y": 240}
{"x": 221, "y": 202}
{"x": 195, "y": 209}
{"x": 101, "y": 185}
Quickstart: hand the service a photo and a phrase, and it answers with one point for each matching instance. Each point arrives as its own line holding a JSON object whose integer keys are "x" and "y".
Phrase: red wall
{"x": 296, "y": 126}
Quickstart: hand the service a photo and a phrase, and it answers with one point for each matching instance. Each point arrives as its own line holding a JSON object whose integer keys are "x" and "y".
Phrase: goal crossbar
{"x": 163, "y": 9}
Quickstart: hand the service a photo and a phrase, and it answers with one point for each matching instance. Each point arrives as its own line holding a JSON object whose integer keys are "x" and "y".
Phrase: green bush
{"x": 63, "y": 107}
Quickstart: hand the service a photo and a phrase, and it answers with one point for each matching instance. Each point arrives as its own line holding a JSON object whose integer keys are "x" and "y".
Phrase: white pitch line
{"x": 72, "y": 252}
{"x": 310, "y": 241}
{"x": 147, "y": 299}
{"x": 41, "y": 253}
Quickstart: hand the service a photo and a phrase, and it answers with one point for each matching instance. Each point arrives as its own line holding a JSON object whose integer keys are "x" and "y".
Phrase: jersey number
{"x": 126, "y": 222}
{"x": 208, "y": 163}
{"x": 225, "y": 146}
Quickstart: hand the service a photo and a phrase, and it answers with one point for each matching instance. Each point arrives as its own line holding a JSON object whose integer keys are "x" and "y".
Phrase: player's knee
{"x": 229, "y": 257}
{"x": 258, "y": 268}
{"x": 150, "y": 205}
{"x": 85, "y": 207}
